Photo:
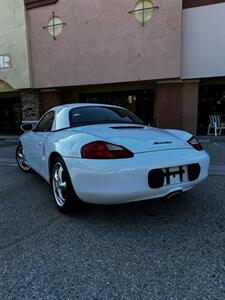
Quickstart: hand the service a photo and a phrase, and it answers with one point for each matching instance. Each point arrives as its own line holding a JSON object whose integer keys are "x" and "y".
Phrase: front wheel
{"x": 21, "y": 159}
{"x": 63, "y": 192}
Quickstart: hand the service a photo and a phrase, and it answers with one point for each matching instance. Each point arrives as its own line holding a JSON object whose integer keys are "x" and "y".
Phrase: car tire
{"x": 21, "y": 159}
{"x": 64, "y": 195}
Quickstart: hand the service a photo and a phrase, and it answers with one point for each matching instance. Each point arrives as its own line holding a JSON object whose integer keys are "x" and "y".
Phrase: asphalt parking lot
{"x": 156, "y": 249}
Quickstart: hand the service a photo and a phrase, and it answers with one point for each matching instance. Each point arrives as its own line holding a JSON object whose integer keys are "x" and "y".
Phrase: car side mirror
{"x": 27, "y": 127}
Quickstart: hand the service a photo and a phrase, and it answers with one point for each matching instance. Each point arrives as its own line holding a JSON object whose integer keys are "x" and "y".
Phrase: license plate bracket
{"x": 174, "y": 175}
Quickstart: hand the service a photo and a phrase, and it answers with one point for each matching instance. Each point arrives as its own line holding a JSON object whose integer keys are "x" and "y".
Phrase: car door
{"x": 35, "y": 148}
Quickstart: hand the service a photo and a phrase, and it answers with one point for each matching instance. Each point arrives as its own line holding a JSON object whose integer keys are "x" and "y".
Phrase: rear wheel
{"x": 63, "y": 192}
{"x": 21, "y": 159}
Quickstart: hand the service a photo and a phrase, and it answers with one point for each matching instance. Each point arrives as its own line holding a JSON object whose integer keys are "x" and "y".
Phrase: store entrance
{"x": 139, "y": 102}
{"x": 211, "y": 102}
{"x": 10, "y": 115}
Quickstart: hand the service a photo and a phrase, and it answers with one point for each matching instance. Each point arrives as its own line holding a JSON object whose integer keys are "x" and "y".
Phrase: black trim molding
{"x": 197, "y": 3}
{"x": 37, "y": 3}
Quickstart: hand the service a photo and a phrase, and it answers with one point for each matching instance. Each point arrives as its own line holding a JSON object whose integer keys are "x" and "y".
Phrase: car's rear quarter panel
{"x": 126, "y": 180}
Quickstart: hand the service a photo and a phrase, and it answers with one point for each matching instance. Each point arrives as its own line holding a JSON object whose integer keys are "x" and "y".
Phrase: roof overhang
{"x": 197, "y": 3}
{"x": 37, "y": 3}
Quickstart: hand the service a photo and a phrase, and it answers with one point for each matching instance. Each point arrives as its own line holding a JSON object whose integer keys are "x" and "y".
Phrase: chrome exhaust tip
{"x": 174, "y": 195}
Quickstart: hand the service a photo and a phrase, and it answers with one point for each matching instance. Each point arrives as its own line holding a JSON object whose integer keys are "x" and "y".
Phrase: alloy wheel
{"x": 59, "y": 184}
{"x": 21, "y": 159}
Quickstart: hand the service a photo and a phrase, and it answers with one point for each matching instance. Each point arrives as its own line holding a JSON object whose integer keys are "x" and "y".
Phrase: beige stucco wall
{"x": 103, "y": 43}
{"x": 13, "y": 41}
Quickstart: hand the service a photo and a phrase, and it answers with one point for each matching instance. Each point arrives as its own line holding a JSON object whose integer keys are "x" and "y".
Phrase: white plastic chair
{"x": 215, "y": 124}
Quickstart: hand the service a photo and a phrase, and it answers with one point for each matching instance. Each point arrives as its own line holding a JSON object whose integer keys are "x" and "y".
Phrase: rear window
{"x": 101, "y": 115}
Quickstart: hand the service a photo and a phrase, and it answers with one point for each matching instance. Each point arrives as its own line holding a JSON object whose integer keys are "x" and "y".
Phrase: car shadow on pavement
{"x": 148, "y": 210}
{"x": 190, "y": 207}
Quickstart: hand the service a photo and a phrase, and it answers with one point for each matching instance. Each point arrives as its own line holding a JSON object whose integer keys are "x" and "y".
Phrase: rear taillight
{"x": 104, "y": 150}
{"x": 194, "y": 142}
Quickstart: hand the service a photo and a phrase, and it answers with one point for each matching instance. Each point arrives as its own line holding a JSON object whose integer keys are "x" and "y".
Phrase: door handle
{"x": 40, "y": 143}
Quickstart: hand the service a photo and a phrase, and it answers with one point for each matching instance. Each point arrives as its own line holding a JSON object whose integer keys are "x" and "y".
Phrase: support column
{"x": 189, "y": 112}
{"x": 50, "y": 98}
{"x": 168, "y": 109}
{"x": 177, "y": 105}
{"x": 31, "y": 105}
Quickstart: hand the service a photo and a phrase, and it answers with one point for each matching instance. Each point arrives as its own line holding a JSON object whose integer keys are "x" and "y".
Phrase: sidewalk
{"x": 9, "y": 138}
{"x": 215, "y": 146}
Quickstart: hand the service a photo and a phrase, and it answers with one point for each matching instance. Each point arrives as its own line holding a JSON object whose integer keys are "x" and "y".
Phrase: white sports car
{"x": 104, "y": 154}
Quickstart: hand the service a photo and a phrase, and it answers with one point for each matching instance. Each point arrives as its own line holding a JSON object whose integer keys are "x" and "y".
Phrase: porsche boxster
{"x": 105, "y": 154}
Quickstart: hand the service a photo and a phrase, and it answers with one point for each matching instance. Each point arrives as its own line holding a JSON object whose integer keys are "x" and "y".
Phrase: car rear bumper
{"x": 127, "y": 180}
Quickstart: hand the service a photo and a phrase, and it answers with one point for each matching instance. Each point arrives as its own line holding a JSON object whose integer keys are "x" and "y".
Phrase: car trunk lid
{"x": 136, "y": 138}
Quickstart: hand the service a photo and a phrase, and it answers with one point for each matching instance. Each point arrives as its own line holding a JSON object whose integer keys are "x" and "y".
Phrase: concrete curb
{"x": 217, "y": 170}
{"x": 7, "y": 162}
{"x": 211, "y": 139}
{"x": 9, "y": 138}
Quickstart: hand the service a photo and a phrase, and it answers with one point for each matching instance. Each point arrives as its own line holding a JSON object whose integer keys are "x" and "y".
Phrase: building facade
{"x": 203, "y": 56}
{"x": 104, "y": 54}
{"x": 156, "y": 57}
{"x": 15, "y": 74}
